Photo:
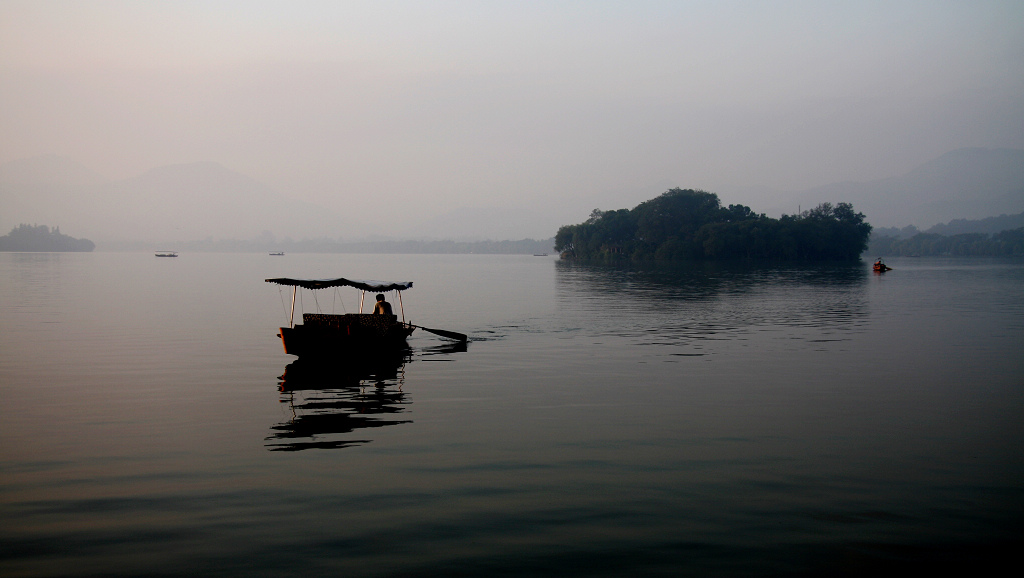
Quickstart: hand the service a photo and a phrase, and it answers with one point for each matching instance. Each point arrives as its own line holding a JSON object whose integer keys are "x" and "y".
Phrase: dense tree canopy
{"x": 692, "y": 224}
{"x": 41, "y": 238}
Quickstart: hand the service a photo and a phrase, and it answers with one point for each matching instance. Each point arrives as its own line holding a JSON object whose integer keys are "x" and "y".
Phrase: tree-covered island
{"x": 691, "y": 224}
{"x": 41, "y": 238}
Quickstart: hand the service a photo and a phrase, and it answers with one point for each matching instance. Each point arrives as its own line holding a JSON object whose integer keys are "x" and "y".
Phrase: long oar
{"x": 443, "y": 333}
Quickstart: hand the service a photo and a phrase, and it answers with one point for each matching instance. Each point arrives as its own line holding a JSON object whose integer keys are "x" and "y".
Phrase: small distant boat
{"x": 277, "y": 254}
{"x": 540, "y": 254}
{"x": 166, "y": 253}
{"x": 353, "y": 334}
{"x": 880, "y": 267}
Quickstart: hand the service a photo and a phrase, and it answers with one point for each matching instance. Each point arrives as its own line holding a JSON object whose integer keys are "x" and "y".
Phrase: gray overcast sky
{"x": 418, "y": 108}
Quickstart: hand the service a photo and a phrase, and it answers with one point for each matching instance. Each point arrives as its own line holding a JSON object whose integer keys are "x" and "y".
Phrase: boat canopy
{"x": 365, "y": 285}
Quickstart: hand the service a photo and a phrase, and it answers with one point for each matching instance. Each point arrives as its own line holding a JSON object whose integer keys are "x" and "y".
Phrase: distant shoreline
{"x": 520, "y": 247}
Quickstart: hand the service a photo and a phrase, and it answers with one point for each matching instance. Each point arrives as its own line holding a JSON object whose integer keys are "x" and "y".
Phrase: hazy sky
{"x": 412, "y": 109}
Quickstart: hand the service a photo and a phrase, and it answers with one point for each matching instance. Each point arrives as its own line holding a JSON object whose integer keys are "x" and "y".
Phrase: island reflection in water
{"x": 332, "y": 398}
{"x": 689, "y": 308}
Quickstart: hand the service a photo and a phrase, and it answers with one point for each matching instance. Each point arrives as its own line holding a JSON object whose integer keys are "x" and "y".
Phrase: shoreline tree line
{"x": 688, "y": 224}
{"x": 40, "y": 238}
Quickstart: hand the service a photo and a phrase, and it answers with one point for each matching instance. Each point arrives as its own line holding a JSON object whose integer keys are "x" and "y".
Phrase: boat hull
{"x": 344, "y": 335}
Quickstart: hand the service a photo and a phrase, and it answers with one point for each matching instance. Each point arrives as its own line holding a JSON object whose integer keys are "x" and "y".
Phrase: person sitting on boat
{"x": 382, "y": 307}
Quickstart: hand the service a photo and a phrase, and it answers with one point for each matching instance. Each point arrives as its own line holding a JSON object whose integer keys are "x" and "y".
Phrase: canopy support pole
{"x": 402, "y": 307}
{"x": 361, "y": 295}
{"x": 291, "y": 319}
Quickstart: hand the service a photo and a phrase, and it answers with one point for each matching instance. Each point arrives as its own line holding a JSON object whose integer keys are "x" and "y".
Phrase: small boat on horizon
{"x": 166, "y": 253}
{"x": 277, "y": 254}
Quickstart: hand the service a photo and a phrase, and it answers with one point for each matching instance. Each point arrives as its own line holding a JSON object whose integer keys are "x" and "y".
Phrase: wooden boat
{"x": 321, "y": 334}
{"x": 880, "y": 267}
{"x": 166, "y": 253}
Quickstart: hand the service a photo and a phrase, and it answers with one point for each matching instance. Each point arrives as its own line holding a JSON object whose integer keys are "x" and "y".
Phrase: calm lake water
{"x": 699, "y": 420}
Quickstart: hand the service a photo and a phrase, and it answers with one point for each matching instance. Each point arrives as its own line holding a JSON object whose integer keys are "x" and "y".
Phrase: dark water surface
{"x": 668, "y": 421}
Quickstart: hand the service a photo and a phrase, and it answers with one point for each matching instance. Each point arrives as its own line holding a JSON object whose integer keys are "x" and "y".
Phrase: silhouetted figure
{"x": 382, "y": 307}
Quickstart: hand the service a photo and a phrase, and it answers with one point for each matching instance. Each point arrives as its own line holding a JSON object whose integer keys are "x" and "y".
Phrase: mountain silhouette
{"x": 168, "y": 203}
{"x": 968, "y": 183}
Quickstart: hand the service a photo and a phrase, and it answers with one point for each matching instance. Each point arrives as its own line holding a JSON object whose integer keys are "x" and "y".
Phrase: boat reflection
{"x": 329, "y": 401}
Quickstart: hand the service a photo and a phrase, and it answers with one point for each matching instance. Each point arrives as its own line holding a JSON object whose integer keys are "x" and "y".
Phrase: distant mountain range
{"x": 205, "y": 200}
{"x": 988, "y": 226}
{"x": 169, "y": 203}
{"x": 969, "y": 183}
{"x": 495, "y": 223}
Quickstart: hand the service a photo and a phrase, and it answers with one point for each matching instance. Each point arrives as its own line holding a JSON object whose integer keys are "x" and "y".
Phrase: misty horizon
{"x": 185, "y": 203}
{"x": 386, "y": 116}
